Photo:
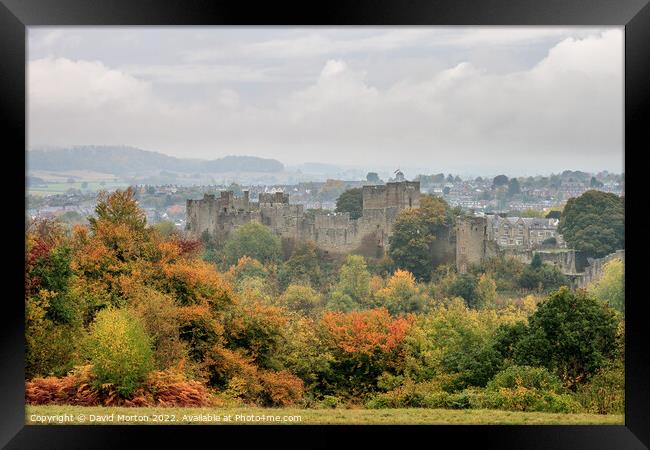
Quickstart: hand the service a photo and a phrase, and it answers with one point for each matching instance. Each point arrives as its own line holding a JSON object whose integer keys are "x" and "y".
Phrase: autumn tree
{"x": 610, "y": 288}
{"x": 486, "y": 292}
{"x": 401, "y": 294}
{"x": 364, "y": 345}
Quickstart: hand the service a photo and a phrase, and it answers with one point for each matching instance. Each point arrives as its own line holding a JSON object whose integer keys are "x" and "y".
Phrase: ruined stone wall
{"x": 594, "y": 270}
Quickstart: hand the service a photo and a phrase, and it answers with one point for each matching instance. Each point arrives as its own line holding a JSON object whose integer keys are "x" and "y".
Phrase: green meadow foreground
{"x": 71, "y": 415}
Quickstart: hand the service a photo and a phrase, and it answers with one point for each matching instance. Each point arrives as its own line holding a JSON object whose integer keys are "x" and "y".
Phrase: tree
{"x": 594, "y": 183}
{"x": 351, "y": 201}
{"x": 554, "y": 214}
{"x": 513, "y": 187}
{"x": 486, "y": 292}
{"x": 354, "y": 280}
{"x": 307, "y": 264}
{"x": 300, "y": 298}
{"x": 364, "y": 345}
{"x": 118, "y": 208}
{"x": 372, "y": 177}
{"x": 611, "y": 286}
{"x": 119, "y": 349}
{"x": 255, "y": 240}
{"x": 166, "y": 228}
{"x": 401, "y": 295}
{"x": 464, "y": 286}
{"x": 414, "y": 231}
{"x": 571, "y": 333}
{"x": 499, "y": 180}
{"x": 594, "y": 223}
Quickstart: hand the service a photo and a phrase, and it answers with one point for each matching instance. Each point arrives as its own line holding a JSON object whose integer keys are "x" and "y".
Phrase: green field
{"x": 112, "y": 416}
{"x": 62, "y": 188}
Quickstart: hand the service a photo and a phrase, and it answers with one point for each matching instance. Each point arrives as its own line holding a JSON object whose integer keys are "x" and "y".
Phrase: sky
{"x": 467, "y": 100}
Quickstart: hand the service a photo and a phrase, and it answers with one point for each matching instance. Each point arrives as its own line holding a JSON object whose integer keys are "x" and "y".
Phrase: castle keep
{"x": 334, "y": 232}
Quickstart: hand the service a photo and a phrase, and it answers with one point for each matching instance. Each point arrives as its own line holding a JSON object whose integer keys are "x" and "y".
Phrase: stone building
{"x": 482, "y": 237}
{"x": 522, "y": 232}
{"x": 334, "y": 232}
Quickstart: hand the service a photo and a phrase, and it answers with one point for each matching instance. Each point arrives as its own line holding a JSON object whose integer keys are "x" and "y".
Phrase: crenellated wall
{"x": 334, "y": 232}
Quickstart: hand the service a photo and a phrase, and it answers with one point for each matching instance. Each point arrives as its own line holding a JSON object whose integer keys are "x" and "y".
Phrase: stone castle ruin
{"x": 476, "y": 241}
{"x": 333, "y": 232}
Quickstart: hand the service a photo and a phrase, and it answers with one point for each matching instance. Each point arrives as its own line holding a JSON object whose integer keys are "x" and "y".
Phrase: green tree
{"x": 351, "y": 201}
{"x": 499, "y": 180}
{"x": 594, "y": 183}
{"x": 611, "y": 286}
{"x": 120, "y": 350}
{"x": 554, "y": 214}
{"x": 486, "y": 292}
{"x": 255, "y": 240}
{"x": 300, "y": 298}
{"x": 513, "y": 187}
{"x": 372, "y": 177}
{"x": 166, "y": 228}
{"x": 570, "y": 333}
{"x": 594, "y": 223}
{"x": 414, "y": 231}
{"x": 307, "y": 264}
{"x": 464, "y": 286}
{"x": 354, "y": 279}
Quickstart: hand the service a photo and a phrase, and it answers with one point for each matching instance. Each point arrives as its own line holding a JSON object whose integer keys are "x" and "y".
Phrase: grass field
{"x": 61, "y": 188}
{"x": 69, "y": 415}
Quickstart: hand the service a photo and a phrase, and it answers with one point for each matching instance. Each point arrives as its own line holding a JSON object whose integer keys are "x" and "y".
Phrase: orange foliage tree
{"x": 365, "y": 344}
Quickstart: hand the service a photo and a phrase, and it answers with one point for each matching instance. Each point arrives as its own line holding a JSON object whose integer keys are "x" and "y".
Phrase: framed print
{"x": 376, "y": 219}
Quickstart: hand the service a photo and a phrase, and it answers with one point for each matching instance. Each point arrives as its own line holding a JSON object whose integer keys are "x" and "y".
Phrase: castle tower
{"x": 471, "y": 241}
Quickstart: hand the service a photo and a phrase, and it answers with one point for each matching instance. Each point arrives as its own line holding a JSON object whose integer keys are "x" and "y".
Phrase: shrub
{"x": 524, "y": 399}
{"x": 605, "y": 393}
{"x": 162, "y": 388}
{"x": 280, "y": 388}
{"x": 120, "y": 350}
{"x": 331, "y": 401}
{"x": 526, "y": 376}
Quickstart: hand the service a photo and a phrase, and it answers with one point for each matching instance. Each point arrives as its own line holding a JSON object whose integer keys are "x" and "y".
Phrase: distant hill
{"x": 125, "y": 161}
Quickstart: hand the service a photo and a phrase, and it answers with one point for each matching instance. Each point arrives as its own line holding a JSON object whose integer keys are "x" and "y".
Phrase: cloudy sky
{"x": 461, "y": 99}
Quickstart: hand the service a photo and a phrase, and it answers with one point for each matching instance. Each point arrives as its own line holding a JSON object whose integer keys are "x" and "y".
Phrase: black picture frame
{"x": 634, "y": 15}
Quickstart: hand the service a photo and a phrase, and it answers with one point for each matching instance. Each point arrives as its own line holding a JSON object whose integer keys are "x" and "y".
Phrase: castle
{"x": 333, "y": 232}
{"x": 479, "y": 238}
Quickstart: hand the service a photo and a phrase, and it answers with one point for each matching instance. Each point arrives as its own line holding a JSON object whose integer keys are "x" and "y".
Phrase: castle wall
{"x": 330, "y": 231}
{"x": 595, "y": 269}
